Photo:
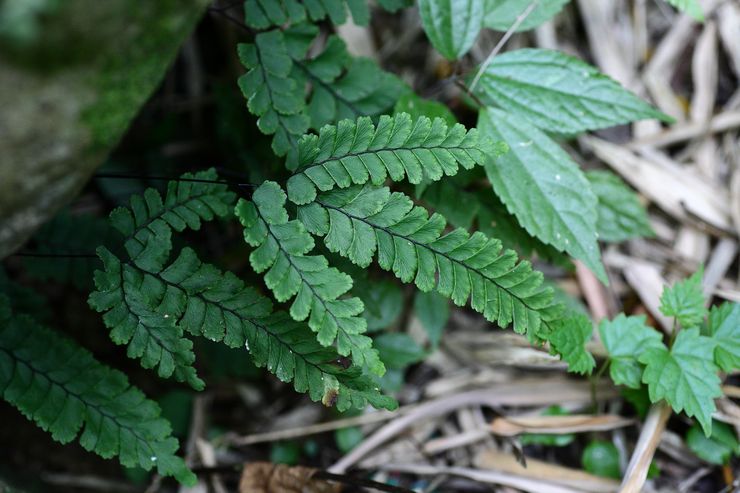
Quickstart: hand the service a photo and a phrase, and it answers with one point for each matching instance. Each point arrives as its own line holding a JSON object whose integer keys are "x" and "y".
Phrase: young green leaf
{"x": 398, "y": 350}
{"x": 620, "y": 214}
{"x": 685, "y": 301}
{"x": 543, "y": 188}
{"x": 281, "y": 252}
{"x": 357, "y": 152}
{"x": 625, "y": 339}
{"x": 68, "y": 393}
{"x": 568, "y": 338}
{"x": 502, "y": 14}
{"x": 452, "y": 25}
{"x": 559, "y": 93}
{"x": 686, "y": 376}
{"x": 717, "y": 448}
{"x": 723, "y": 327}
{"x": 150, "y": 336}
{"x": 360, "y": 222}
{"x": 691, "y": 7}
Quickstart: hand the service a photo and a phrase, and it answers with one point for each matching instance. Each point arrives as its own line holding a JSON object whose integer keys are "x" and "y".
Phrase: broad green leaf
{"x": 717, "y": 448}
{"x": 625, "y": 339}
{"x": 433, "y": 311}
{"x": 686, "y": 376}
{"x": 65, "y": 391}
{"x": 416, "y": 106}
{"x": 502, "y": 14}
{"x": 602, "y": 459}
{"x": 723, "y": 327}
{"x": 542, "y": 186}
{"x": 620, "y": 214}
{"x": 559, "y": 93}
{"x": 568, "y": 338}
{"x": 348, "y": 438}
{"x": 452, "y": 25}
{"x": 685, "y": 301}
{"x": 691, "y": 7}
{"x": 383, "y": 302}
{"x": 355, "y": 152}
{"x": 398, "y": 350}
{"x": 548, "y": 439}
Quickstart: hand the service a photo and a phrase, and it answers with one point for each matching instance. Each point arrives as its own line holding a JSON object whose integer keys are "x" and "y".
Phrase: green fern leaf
{"x": 357, "y": 152}
{"x": 216, "y": 305}
{"x": 150, "y": 336}
{"x": 344, "y": 86}
{"x": 147, "y": 225}
{"x": 360, "y": 222}
{"x": 261, "y": 14}
{"x": 281, "y": 248}
{"x": 271, "y": 94}
{"x": 68, "y": 393}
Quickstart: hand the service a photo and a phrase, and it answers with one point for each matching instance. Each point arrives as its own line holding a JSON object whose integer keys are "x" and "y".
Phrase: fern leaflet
{"x": 262, "y": 14}
{"x": 147, "y": 225}
{"x": 357, "y": 152}
{"x": 360, "y": 222}
{"x": 207, "y": 302}
{"x": 153, "y": 337}
{"x": 67, "y": 392}
{"x": 281, "y": 248}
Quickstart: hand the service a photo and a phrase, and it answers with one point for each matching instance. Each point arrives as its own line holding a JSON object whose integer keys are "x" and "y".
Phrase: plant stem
{"x": 594, "y": 380}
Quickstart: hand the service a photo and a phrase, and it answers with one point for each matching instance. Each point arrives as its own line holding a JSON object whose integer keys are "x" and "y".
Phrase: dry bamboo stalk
{"x": 638, "y": 466}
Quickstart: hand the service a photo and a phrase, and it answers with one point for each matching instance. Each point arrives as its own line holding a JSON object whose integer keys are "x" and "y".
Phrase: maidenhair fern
{"x": 327, "y": 114}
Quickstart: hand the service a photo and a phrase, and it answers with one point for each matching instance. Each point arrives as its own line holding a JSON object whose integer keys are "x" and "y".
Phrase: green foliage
{"x": 568, "y": 338}
{"x": 543, "y": 188}
{"x": 723, "y": 327}
{"x": 620, "y": 214}
{"x": 602, "y": 459}
{"x": 433, "y": 311}
{"x": 261, "y": 14}
{"x": 452, "y": 25}
{"x": 685, "y": 301}
{"x": 341, "y": 86}
{"x": 685, "y": 376}
{"x": 397, "y": 148}
{"x": 502, "y": 14}
{"x": 362, "y": 222}
{"x": 559, "y": 93}
{"x": 398, "y": 350}
{"x": 416, "y": 107}
{"x": 716, "y": 448}
{"x": 691, "y": 7}
{"x": 281, "y": 251}
{"x": 626, "y": 339}
{"x": 68, "y": 393}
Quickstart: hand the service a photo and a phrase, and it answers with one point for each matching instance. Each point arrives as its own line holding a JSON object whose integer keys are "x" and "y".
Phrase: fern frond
{"x": 357, "y": 152}
{"x": 152, "y": 337}
{"x": 262, "y": 14}
{"x": 68, "y": 393}
{"x": 147, "y": 225}
{"x": 216, "y": 305}
{"x": 343, "y": 86}
{"x": 281, "y": 252}
{"x": 271, "y": 94}
{"x": 360, "y": 222}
